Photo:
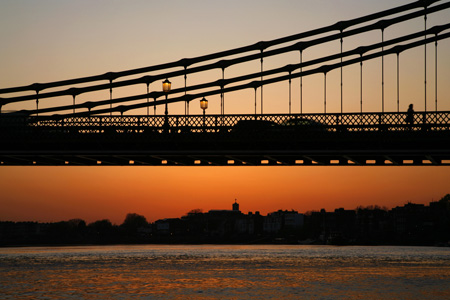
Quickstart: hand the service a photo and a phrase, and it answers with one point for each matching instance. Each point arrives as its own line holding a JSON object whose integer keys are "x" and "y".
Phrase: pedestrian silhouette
{"x": 410, "y": 115}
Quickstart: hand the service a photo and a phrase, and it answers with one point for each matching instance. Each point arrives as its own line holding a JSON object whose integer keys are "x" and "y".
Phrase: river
{"x": 224, "y": 272}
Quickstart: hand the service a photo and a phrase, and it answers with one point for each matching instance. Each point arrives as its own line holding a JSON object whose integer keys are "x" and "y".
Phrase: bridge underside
{"x": 237, "y": 158}
{"x": 206, "y": 147}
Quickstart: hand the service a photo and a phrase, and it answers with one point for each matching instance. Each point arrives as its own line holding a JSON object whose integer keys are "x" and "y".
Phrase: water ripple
{"x": 218, "y": 272}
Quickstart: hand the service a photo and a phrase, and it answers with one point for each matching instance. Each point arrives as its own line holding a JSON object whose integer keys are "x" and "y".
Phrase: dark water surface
{"x": 224, "y": 272}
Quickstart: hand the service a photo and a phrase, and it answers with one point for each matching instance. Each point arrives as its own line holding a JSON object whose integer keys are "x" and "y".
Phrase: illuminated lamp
{"x": 166, "y": 89}
{"x": 204, "y": 104}
{"x": 166, "y": 85}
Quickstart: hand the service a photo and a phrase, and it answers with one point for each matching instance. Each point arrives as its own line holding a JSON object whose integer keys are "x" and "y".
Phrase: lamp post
{"x": 204, "y": 106}
{"x": 166, "y": 89}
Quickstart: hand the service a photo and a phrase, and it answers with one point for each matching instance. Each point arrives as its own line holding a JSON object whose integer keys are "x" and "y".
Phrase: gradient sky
{"x": 48, "y": 40}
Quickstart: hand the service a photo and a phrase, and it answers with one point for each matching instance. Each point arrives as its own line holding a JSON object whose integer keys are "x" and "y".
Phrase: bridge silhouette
{"x": 109, "y": 132}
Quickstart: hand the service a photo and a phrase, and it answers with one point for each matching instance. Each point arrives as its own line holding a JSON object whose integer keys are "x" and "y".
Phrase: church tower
{"x": 235, "y": 206}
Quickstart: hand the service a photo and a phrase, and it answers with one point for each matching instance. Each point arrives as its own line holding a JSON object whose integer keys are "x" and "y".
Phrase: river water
{"x": 224, "y": 272}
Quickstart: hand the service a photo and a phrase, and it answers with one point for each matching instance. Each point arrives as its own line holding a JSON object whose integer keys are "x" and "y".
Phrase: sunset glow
{"x": 92, "y": 193}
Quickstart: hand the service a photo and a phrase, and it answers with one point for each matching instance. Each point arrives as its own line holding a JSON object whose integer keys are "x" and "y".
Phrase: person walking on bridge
{"x": 410, "y": 115}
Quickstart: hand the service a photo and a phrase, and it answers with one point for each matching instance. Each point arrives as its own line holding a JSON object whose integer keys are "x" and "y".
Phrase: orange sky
{"x": 50, "y": 40}
{"x": 92, "y": 193}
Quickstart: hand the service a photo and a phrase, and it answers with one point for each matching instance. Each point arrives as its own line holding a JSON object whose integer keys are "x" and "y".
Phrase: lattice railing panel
{"x": 352, "y": 122}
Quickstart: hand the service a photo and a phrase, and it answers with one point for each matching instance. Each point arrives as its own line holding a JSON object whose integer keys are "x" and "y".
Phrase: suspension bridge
{"x": 108, "y": 131}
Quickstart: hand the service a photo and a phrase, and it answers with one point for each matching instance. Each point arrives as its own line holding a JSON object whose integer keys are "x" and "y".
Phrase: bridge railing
{"x": 349, "y": 122}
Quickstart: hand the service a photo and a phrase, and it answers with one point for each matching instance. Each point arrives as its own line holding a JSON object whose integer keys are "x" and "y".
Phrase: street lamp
{"x": 204, "y": 106}
{"x": 166, "y": 89}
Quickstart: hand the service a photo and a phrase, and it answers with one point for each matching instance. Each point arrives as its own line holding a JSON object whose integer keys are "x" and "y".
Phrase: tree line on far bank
{"x": 411, "y": 224}
{"x": 74, "y": 231}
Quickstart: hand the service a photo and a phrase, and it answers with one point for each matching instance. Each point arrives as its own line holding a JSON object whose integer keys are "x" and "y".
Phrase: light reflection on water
{"x": 224, "y": 272}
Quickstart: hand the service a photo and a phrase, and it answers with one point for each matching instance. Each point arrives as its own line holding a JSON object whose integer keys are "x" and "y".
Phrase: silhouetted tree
{"x": 133, "y": 221}
{"x": 372, "y": 207}
{"x": 65, "y": 232}
{"x": 103, "y": 231}
{"x": 78, "y": 222}
{"x": 101, "y": 226}
{"x": 445, "y": 199}
{"x": 195, "y": 211}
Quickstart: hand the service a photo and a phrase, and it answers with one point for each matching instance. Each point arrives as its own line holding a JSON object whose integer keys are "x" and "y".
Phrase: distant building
{"x": 411, "y": 224}
{"x": 249, "y": 224}
{"x": 235, "y": 209}
{"x": 235, "y": 206}
{"x": 276, "y": 221}
{"x": 169, "y": 226}
{"x": 221, "y": 222}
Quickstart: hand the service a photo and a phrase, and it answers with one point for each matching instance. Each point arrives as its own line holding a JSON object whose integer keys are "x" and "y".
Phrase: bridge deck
{"x": 288, "y": 139}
